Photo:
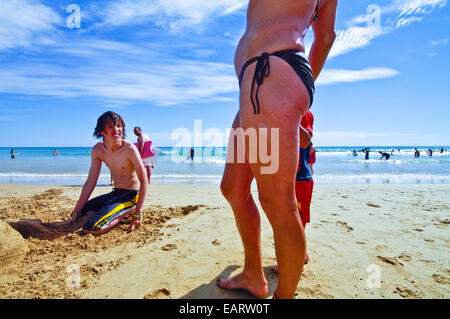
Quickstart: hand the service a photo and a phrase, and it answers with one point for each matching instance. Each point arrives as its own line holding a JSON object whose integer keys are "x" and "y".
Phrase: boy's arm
{"x": 142, "y": 175}
{"x": 89, "y": 185}
{"x": 324, "y": 36}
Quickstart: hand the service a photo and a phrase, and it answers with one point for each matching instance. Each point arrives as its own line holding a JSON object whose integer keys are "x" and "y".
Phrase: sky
{"x": 163, "y": 65}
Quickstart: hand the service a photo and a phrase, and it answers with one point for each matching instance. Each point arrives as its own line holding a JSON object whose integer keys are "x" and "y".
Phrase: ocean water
{"x": 334, "y": 165}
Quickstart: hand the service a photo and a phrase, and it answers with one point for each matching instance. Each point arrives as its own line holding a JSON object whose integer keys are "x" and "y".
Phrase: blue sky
{"x": 164, "y": 64}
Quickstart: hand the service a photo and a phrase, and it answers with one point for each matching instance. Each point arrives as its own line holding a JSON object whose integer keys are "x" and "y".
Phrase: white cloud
{"x": 236, "y": 7}
{"x": 353, "y": 38}
{"x": 439, "y": 42}
{"x": 414, "y": 7}
{"x": 173, "y": 83}
{"x": 333, "y": 76}
{"x": 404, "y": 22}
{"x": 175, "y": 13}
{"x": 361, "y": 30}
{"x": 24, "y": 22}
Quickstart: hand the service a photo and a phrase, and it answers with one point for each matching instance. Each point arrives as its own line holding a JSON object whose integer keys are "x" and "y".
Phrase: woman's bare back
{"x": 274, "y": 26}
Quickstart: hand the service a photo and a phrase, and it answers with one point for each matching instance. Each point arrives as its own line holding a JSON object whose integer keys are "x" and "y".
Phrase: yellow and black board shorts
{"x": 109, "y": 209}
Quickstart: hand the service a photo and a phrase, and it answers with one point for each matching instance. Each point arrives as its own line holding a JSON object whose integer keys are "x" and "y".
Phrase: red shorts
{"x": 303, "y": 192}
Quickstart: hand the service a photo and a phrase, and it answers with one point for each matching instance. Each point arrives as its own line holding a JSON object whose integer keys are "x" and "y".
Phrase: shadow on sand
{"x": 212, "y": 291}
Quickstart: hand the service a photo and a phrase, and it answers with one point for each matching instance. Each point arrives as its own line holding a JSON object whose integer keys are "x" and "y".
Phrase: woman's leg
{"x": 236, "y": 188}
{"x": 284, "y": 100}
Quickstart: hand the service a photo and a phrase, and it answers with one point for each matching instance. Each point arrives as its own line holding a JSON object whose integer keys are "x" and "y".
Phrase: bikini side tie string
{"x": 262, "y": 71}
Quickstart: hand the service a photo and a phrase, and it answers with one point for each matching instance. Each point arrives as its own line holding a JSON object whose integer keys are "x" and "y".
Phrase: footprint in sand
{"x": 345, "y": 226}
{"x": 404, "y": 257}
{"x": 342, "y": 207}
{"x": 169, "y": 247}
{"x": 373, "y": 205}
{"x": 162, "y": 293}
{"x": 441, "y": 279}
{"x": 216, "y": 242}
{"x": 390, "y": 260}
{"x": 407, "y": 293}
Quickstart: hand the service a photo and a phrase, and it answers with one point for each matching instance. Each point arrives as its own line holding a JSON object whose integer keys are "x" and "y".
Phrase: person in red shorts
{"x": 304, "y": 183}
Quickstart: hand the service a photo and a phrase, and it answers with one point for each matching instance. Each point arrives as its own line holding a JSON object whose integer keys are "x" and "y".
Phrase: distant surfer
{"x": 55, "y": 152}
{"x": 384, "y": 155}
{"x": 105, "y": 212}
{"x": 13, "y": 154}
{"x": 430, "y": 152}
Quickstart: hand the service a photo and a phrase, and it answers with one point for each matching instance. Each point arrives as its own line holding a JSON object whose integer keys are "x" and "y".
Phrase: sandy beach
{"x": 364, "y": 241}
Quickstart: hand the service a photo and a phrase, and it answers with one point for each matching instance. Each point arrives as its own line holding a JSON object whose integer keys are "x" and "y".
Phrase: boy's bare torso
{"x": 274, "y": 26}
{"x": 119, "y": 162}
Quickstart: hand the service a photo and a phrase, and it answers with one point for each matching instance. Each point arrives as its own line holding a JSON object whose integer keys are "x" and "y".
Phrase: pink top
{"x": 148, "y": 149}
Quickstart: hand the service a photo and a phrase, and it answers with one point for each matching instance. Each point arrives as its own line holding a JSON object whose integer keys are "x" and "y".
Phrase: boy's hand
{"x": 73, "y": 216}
{"x": 136, "y": 221}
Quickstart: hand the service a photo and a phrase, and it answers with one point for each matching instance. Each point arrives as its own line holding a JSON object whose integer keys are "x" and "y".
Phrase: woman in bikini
{"x": 276, "y": 89}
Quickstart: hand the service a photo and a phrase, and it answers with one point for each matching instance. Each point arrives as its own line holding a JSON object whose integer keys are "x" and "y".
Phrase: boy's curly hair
{"x": 105, "y": 119}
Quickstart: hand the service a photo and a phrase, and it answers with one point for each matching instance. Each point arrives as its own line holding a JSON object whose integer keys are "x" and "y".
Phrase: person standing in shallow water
{"x": 366, "y": 156}
{"x": 276, "y": 89}
{"x": 142, "y": 138}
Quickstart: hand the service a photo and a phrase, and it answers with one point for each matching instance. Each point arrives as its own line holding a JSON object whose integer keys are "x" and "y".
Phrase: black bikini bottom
{"x": 296, "y": 59}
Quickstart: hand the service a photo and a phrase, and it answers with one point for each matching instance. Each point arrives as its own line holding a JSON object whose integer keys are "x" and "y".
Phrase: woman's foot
{"x": 239, "y": 281}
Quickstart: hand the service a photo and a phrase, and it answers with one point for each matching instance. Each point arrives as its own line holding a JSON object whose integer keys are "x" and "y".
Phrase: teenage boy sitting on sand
{"x": 130, "y": 180}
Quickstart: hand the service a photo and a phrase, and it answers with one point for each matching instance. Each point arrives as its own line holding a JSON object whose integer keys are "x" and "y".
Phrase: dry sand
{"x": 364, "y": 241}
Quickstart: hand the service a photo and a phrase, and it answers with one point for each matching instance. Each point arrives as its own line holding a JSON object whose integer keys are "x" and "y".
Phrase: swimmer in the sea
{"x": 130, "y": 180}
{"x": 416, "y": 153}
{"x": 384, "y": 155}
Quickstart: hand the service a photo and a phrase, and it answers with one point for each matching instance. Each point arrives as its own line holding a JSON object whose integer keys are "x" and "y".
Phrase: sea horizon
{"x": 334, "y": 165}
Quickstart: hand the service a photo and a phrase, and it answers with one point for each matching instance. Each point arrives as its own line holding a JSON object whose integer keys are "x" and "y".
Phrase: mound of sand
{"x": 36, "y": 223}
{"x": 13, "y": 247}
